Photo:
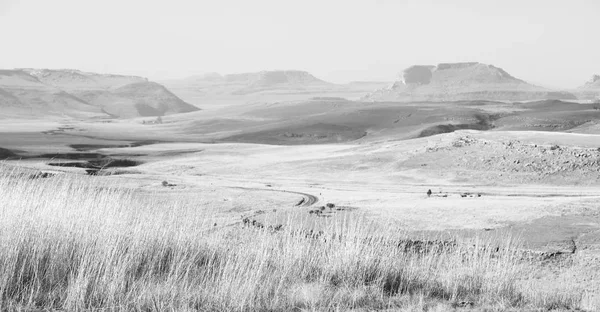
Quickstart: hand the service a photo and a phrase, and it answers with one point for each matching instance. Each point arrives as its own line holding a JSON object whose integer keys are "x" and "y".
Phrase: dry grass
{"x": 76, "y": 243}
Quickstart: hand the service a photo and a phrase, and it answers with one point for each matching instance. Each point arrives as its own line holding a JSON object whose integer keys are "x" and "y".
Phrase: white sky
{"x": 548, "y": 42}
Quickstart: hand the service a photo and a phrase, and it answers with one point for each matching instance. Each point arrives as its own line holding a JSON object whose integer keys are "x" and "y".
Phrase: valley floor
{"x": 483, "y": 184}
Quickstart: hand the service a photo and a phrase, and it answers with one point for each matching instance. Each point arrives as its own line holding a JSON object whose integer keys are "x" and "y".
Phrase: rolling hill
{"x": 330, "y": 120}
{"x": 44, "y": 92}
{"x": 462, "y": 81}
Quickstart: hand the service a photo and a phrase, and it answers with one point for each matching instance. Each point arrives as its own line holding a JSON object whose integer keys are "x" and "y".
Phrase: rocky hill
{"x": 81, "y": 94}
{"x": 462, "y": 81}
{"x": 590, "y": 90}
{"x": 510, "y": 161}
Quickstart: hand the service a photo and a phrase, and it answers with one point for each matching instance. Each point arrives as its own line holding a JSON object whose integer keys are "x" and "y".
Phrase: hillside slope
{"x": 41, "y": 92}
{"x": 462, "y": 81}
{"x": 22, "y": 94}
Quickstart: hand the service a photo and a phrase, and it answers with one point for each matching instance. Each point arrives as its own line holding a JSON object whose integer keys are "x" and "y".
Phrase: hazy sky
{"x": 549, "y": 42}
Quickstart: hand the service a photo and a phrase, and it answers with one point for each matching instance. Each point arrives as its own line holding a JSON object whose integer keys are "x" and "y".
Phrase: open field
{"x": 78, "y": 243}
{"x": 171, "y": 185}
{"x": 299, "y": 156}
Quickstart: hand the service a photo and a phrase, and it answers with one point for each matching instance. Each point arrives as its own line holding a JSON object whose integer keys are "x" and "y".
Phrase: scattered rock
{"x": 308, "y": 233}
{"x": 41, "y": 175}
{"x": 524, "y": 162}
{"x": 275, "y": 228}
{"x": 252, "y": 223}
{"x": 167, "y": 184}
{"x": 423, "y": 246}
{"x": 463, "y": 304}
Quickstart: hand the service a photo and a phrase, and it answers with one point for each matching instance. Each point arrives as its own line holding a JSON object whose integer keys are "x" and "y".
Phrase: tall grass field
{"x": 78, "y": 243}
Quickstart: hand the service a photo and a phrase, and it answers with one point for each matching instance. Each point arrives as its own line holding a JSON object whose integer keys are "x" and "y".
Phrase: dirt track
{"x": 306, "y": 201}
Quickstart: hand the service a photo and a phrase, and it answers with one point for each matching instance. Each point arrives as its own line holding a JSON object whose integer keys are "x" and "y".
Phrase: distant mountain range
{"x": 462, "y": 81}
{"x": 47, "y": 92}
{"x": 279, "y": 85}
{"x": 264, "y": 81}
{"x": 42, "y": 92}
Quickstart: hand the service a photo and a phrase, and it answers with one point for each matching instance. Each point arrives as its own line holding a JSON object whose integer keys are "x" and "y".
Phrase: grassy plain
{"x": 76, "y": 242}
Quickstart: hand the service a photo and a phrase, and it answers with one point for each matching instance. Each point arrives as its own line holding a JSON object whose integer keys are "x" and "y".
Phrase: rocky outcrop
{"x": 462, "y": 81}
{"x": 82, "y": 94}
{"x": 513, "y": 161}
{"x": 594, "y": 82}
{"x": 418, "y": 75}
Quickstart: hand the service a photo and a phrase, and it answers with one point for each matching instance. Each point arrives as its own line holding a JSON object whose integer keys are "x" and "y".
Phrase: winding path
{"x": 306, "y": 201}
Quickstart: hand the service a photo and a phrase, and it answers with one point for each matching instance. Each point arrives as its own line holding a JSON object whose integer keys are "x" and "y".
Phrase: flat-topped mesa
{"x": 418, "y": 74}
{"x": 462, "y": 81}
{"x": 272, "y": 81}
{"x": 210, "y": 77}
{"x": 73, "y": 78}
{"x": 76, "y": 93}
{"x": 452, "y": 73}
{"x": 288, "y": 76}
{"x": 41, "y": 72}
{"x": 443, "y": 66}
{"x": 277, "y": 77}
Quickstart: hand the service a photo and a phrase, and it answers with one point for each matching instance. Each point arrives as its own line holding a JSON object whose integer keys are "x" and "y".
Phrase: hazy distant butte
{"x": 215, "y": 90}
{"x": 76, "y": 93}
{"x": 247, "y": 83}
{"x": 462, "y": 81}
{"x": 590, "y": 90}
